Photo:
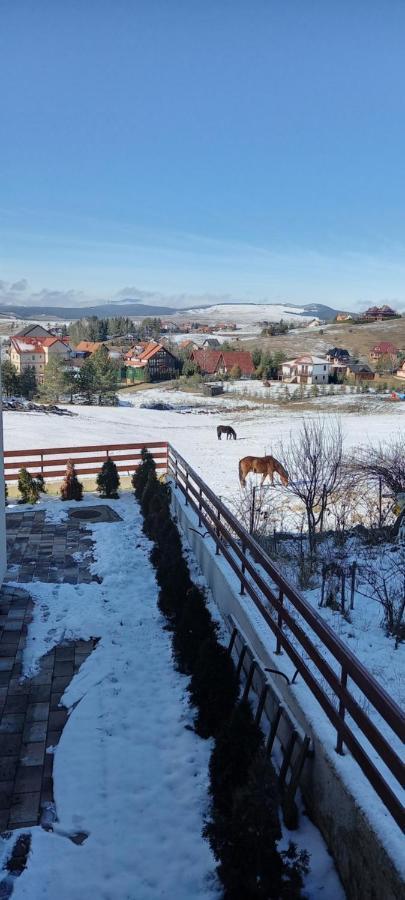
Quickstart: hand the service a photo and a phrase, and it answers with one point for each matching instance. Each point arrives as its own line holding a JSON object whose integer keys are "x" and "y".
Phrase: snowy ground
{"x": 191, "y": 428}
{"x": 127, "y": 770}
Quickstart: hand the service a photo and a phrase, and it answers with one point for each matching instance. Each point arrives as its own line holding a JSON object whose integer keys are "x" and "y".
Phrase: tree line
{"x": 94, "y": 328}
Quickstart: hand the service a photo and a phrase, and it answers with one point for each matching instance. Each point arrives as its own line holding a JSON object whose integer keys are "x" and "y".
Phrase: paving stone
{"x": 25, "y": 808}
{"x": 32, "y": 754}
{"x": 12, "y": 723}
{"x": 53, "y": 738}
{"x": 40, "y": 693}
{"x": 17, "y": 703}
{"x": 35, "y": 731}
{"x": 64, "y": 667}
{"x": 64, "y": 653}
{"x": 10, "y": 744}
{"x": 42, "y": 678}
{"x": 57, "y": 719}
{"x": 19, "y": 686}
{"x": 6, "y": 793}
{"x": 8, "y": 767}
{"x": 60, "y": 682}
{"x": 6, "y": 663}
{"x": 37, "y": 712}
{"x": 28, "y": 779}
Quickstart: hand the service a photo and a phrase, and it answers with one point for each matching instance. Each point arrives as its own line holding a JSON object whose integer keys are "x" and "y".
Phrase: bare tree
{"x": 383, "y": 461}
{"x": 313, "y": 459}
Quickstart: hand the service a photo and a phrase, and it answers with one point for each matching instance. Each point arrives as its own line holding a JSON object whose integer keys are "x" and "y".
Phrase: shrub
{"x": 194, "y": 626}
{"x": 108, "y": 480}
{"x": 245, "y": 841}
{"x": 71, "y": 489}
{"x": 213, "y": 688}
{"x": 28, "y": 487}
{"x": 141, "y": 476}
{"x": 236, "y": 745}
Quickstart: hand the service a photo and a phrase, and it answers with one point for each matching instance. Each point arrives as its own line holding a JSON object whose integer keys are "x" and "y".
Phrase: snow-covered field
{"x": 191, "y": 427}
{"x": 249, "y": 313}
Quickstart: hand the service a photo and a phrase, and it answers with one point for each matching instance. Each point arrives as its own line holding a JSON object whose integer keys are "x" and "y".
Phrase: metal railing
{"x": 51, "y": 462}
{"x": 324, "y": 661}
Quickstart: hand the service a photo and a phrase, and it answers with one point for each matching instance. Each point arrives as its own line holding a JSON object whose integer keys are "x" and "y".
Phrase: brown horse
{"x": 261, "y": 465}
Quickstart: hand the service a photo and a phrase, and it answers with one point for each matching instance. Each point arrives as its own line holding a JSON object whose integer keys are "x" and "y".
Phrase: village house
{"x": 211, "y": 342}
{"x": 379, "y": 313}
{"x": 384, "y": 349}
{"x": 338, "y": 356}
{"x": 188, "y": 346}
{"x": 90, "y": 347}
{"x": 35, "y": 352}
{"x": 306, "y": 370}
{"x": 151, "y": 362}
{"x": 344, "y": 317}
{"x": 400, "y": 373}
{"x": 33, "y": 330}
{"x": 221, "y": 362}
{"x": 357, "y": 371}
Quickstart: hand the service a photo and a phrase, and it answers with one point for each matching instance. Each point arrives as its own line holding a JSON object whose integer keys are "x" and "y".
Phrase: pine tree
{"x": 71, "y": 489}
{"x": 108, "y": 480}
{"x": 55, "y": 379}
{"x": 9, "y": 378}
{"x": 28, "y": 382}
{"x": 106, "y": 372}
{"x": 28, "y": 487}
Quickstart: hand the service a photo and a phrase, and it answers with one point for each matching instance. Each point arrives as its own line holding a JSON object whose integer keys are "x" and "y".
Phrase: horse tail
{"x": 241, "y": 478}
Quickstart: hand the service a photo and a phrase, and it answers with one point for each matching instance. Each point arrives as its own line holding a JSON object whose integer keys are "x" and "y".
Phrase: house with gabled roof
{"x": 35, "y": 353}
{"x": 221, "y": 362}
{"x": 306, "y": 370}
{"x": 152, "y": 362}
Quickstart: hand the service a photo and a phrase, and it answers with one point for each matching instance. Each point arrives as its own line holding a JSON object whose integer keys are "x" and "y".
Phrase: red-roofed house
{"x": 384, "y": 348}
{"x": 220, "y": 362}
{"x": 35, "y": 352}
{"x": 152, "y": 362}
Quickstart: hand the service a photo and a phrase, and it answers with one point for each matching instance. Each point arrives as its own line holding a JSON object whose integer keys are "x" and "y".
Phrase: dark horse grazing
{"x": 226, "y": 429}
{"x": 261, "y": 465}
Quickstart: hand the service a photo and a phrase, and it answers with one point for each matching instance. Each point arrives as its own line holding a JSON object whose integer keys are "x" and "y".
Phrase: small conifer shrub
{"x": 28, "y": 487}
{"x": 108, "y": 480}
{"x": 213, "y": 688}
{"x": 72, "y": 488}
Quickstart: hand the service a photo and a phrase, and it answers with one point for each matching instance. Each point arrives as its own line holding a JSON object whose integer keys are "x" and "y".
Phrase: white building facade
{"x": 306, "y": 370}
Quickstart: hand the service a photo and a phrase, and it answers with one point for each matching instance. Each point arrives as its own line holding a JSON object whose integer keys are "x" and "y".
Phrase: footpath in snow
{"x": 127, "y": 769}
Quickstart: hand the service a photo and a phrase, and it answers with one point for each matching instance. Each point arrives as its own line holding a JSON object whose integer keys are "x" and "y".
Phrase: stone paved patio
{"x": 31, "y": 718}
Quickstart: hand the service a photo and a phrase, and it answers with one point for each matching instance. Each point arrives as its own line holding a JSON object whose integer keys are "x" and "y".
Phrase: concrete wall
{"x": 364, "y": 864}
{"x": 3, "y": 559}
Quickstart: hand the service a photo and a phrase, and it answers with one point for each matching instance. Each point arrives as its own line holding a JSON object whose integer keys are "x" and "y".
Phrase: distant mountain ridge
{"x": 135, "y": 308}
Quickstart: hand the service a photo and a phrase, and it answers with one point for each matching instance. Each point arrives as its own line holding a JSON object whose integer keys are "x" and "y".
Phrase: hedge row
{"x": 243, "y": 827}
{"x": 31, "y": 486}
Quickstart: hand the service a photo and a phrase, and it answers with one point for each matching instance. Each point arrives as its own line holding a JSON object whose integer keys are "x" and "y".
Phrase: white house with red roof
{"x": 35, "y": 352}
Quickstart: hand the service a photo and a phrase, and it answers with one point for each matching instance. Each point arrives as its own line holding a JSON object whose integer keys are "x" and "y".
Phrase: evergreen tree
{"x": 71, "y": 489}
{"x": 9, "y": 378}
{"x": 28, "y": 487}
{"x": 106, "y": 372}
{"x": 55, "y": 379}
{"x": 86, "y": 381}
{"x": 108, "y": 480}
{"x": 28, "y": 383}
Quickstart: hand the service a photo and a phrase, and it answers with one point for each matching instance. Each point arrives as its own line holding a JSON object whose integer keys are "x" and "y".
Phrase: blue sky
{"x": 253, "y": 150}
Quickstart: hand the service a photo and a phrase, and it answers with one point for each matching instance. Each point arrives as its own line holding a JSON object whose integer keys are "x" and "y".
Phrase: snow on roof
{"x": 307, "y": 360}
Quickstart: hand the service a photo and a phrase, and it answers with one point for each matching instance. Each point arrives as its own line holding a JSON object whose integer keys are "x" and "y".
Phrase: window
{"x": 324, "y": 368}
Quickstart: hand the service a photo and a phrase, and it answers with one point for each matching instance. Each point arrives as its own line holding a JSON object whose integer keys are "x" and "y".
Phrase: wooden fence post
{"x": 279, "y": 622}
{"x": 343, "y": 683}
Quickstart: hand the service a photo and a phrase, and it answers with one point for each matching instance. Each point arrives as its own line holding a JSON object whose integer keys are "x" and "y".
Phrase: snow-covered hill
{"x": 251, "y": 312}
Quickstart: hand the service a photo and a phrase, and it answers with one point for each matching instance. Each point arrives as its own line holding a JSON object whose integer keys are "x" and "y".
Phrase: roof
{"x": 207, "y": 360}
{"x": 385, "y": 347}
{"x": 210, "y": 360}
{"x": 338, "y": 352}
{"x": 34, "y": 344}
{"x": 360, "y": 367}
{"x": 89, "y": 346}
{"x": 307, "y": 360}
{"x": 25, "y": 332}
{"x": 241, "y": 358}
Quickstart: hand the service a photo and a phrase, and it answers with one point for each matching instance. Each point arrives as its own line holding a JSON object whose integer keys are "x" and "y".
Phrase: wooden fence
{"x": 51, "y": 462}
{"x": 343, "y": 687}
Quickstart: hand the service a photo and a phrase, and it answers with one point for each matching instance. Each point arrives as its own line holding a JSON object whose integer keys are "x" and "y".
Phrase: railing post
{"x": 175, "y": 474}
{"x": 42, "y": 464}
{"x": 243, "y": 569}
{"x": 199, "y": 508}
{"x": 186, "y": 487}
{"x": 279, "y": 621}
{"x": 343, "y": 684}
{"x": 218, "y": 533}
